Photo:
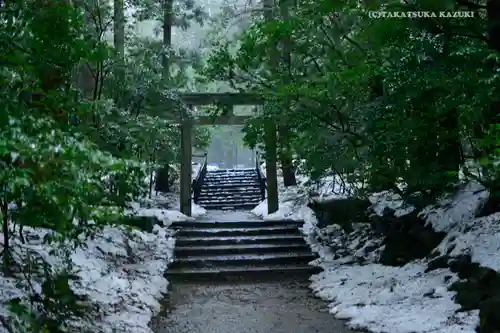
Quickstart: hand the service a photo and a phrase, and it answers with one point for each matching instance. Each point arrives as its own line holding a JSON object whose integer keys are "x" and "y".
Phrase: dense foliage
{"x": 81, "y": 128}
{"x": 390, "y": 103}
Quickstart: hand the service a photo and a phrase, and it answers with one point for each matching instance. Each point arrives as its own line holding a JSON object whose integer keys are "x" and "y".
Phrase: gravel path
{"x": 283, "y": 307}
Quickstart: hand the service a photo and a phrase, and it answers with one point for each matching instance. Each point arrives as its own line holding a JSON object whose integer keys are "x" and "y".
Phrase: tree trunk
{"x": 85, "y": 77}
{"x": 288, "y": 171}
{"x": 167, "y": 38}
{"x": 493, "y": 12}
{"x": 162, "y": 183}
{"x": 449, "y": 146}
{"x": 119, "y": 43}
{"x": 283, "y": 128}
{"x": 492, "y": 115}
{"x": 152, "y": 171}
{"x": 167, "y": 43}
{"x": 270, "y": 138}
{"x": 6, "y": 234}
{"x": 86, "y": 80}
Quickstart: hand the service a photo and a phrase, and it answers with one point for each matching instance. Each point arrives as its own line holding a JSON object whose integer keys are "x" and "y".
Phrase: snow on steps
{"x": 244, "y": 249}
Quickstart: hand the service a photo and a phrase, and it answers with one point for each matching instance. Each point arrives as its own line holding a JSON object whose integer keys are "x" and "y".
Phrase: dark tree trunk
{"x": 283, "y": 130}
{"x": 492, "y": 115}
{"x": 162, "y": 180}
{"x": 288, "y": 171}
{"x": 493, "y": 10}
{"x": 6, "y": 235}
{"x": 285, "y": 157}
{"x": 450, "y": 153}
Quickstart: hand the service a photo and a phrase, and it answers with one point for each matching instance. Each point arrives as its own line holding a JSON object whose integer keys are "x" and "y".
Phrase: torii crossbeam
{"x": 228, "y": 101}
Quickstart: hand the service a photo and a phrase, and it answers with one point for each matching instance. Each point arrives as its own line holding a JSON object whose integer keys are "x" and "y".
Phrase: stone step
{"x": 224, "y": 186}
{"x": 248, "y": 193}
{"x": 230, "y": 182}
{"x": 207, "y": 261}
{"x": 234, "y": 200}
{"x": 229, "y": 196}
{"x": 224, "y": 232}
{"x": 228, "y": 178}
{"x": 228, "y": 207}
{"x": 229, "y": 202}
{"x": 231, "y": 176}
{"x": 242, "y": 194}
{"x": 214, "y": 240}
{"x": 234, "y": 224}
{"x": 193, "y": 251}
{"x": 232, "y": 171}
{"x": 243, "y": 273}
{"x": 231, "y": 190}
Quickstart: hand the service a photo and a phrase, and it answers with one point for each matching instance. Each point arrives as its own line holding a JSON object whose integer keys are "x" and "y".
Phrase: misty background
{"x": 227, "y": 148}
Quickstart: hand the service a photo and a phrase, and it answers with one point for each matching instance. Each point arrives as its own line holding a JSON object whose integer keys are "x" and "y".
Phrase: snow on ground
{"x": 293, "y": 198}
{"x": 287, "y": 206}
{"x": 123, "y": 273}
{"x": 393, "y": 299}
{"x": 172, "y": 202}
{"x": 195, "y": 169}
{"x": 460, "y": 208}
{"x": 120, "y": 270}
{"x": 197, "y": 210}
{"x": 212, "y": 167}
{"x": 164, "y": 215}
{"x": 386, "y": 199}
{"x": 479, "y": 238}
{"x": 227, "y": 216}
{"x": 396, "y": 299}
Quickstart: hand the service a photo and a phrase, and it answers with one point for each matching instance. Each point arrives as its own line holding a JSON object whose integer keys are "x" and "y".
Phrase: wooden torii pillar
{"x": 186, "y": 166}
{"x": 228, "y": 100}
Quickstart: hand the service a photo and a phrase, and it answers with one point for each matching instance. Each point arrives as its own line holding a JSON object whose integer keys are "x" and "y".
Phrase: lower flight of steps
{"x": 240, "y": 250}
{"x": 230, "y": 189}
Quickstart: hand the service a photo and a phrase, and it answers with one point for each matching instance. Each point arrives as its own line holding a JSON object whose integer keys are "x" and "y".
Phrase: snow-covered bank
{"x": 172, "y": 202}
{"x": 120, "y": 271}
{"x": 393, "y": 299}
{"x": 389, "y": 299}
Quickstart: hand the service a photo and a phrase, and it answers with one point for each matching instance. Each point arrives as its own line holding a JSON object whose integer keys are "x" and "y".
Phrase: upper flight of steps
{"x": 230, "y": 189}
{"x": 240, "y": 250}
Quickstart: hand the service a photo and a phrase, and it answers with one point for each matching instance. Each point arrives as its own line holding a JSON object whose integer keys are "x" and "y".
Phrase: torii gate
{"x": 227, "y": 101}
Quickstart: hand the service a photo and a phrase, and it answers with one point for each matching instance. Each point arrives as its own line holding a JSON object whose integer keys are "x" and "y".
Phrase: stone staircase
{"x": 239, "y": 249}
{"x": 230, "y": 189}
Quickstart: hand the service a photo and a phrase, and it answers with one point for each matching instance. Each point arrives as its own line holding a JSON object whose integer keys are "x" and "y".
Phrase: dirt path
{"x": 283, "y": 307}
